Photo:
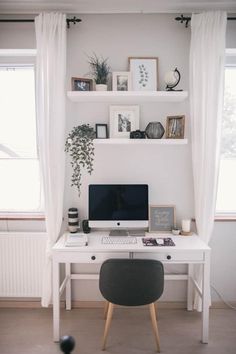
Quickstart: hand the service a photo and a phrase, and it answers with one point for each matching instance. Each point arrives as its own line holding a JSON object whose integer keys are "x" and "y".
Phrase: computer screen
{"x": 118, "y": 205}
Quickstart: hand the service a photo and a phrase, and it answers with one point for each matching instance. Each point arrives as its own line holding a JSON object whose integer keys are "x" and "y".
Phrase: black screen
{"x": 118, "y": 202}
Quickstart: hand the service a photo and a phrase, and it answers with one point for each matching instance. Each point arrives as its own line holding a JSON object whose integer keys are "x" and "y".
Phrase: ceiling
{"x": 114, "y": 6}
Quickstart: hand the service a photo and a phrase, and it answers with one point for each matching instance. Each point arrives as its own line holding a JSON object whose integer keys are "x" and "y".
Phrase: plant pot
{"x": 154, "y": 130}
{"x": 101, "y": 87}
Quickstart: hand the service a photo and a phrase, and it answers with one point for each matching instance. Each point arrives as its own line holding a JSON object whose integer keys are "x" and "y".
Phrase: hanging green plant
{"x": 79, "y": 144}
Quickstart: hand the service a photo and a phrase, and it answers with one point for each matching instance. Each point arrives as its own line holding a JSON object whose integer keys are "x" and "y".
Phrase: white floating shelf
{"x": 140, "y": 141}
{"x": 127, "y": 96}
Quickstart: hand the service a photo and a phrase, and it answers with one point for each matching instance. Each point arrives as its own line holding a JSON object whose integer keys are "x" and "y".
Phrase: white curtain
{"x": 50, "y": 105}
{"x": 207, "y": 54}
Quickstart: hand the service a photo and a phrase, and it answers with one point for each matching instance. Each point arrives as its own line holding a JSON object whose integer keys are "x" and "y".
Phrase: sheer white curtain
{"x": 207, "y": 54}
{"x": 50, "y": 105}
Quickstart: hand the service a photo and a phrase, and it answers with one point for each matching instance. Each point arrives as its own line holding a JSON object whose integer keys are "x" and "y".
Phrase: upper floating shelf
{"x": 127, "y": 96}
{"x": 140, "y": 141}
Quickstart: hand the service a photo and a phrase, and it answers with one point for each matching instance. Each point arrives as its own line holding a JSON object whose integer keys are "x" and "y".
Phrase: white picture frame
{"x": 144, "y": 73}
{"x": 123, "y": 120}
{"x": 121, "y": 81}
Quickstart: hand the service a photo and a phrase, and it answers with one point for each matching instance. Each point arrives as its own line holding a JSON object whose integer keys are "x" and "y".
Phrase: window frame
{"x": 224, "y": 215}
{"x": 18, "y": 58}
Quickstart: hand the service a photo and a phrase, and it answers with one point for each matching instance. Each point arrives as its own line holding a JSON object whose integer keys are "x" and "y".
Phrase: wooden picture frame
{"x": 162, "y": 218}
{"x": 123, "y": 120}
{"x": 81, "y": 84}
{"x": 144, "y": 71}
{"x": 101, "y": 131}
{"x": 121, "y": 81}
{"x": 175, "y": 127}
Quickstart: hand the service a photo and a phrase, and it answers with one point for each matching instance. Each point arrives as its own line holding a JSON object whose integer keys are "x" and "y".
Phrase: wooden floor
{"x": 29, "y": 331}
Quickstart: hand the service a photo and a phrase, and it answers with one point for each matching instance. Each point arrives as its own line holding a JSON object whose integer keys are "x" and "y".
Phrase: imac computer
{"x": 118, "y": 206}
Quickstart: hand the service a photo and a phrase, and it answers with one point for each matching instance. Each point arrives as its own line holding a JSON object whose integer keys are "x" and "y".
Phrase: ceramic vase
{"x": 101, "y": 87}
{"x": 154, "y": 130}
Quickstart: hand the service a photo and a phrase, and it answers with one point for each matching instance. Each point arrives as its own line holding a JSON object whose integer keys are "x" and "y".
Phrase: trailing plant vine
{"x": 79, "y": 145}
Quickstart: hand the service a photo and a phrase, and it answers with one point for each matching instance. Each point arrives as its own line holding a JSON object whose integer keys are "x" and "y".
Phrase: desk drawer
{"x": 99, "y": 257}
{"x": 181, "y": 257}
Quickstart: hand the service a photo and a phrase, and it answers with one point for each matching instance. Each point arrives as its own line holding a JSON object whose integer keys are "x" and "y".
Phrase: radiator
{"x": 22, "y": 256}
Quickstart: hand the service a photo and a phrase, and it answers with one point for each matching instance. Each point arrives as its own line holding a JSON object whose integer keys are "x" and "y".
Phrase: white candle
{"x": 186, "y": 225}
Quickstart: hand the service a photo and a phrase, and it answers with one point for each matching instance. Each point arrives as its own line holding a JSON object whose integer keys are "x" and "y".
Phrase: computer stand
{"x": 118, "y": 233}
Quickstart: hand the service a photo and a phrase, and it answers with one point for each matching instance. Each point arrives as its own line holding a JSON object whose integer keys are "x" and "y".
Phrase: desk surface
{"x": 182, "y": 243}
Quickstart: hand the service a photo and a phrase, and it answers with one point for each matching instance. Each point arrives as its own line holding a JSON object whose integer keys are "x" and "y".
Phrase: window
{"x": 20, "y": 187}
{"x": 226, "y": 197}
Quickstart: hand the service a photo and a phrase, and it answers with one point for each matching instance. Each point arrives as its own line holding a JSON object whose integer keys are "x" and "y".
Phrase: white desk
{"x": 189, "y": 250}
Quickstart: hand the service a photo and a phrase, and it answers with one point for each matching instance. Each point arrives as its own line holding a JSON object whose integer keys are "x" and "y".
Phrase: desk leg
{"x": 56, "y": 302}
{"x": 190, "y": 287}
{"x": 205, "y": 298}
{"x": 68, "y": 286}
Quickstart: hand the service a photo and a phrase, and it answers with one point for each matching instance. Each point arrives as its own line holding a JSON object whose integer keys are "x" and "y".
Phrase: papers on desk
{"x": 76, "y": 240}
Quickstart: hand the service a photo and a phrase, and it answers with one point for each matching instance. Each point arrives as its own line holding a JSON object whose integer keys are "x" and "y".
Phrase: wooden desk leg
{"x": 56, "y": 302}
{"x": 68, "y": 286}
{"x": 190, "y": 287}
{"x": 205, "y": 298}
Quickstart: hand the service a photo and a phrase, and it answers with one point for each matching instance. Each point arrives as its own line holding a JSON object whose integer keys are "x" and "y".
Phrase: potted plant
{"x": 100, "y": 71}
{"x": 79, "y": 144}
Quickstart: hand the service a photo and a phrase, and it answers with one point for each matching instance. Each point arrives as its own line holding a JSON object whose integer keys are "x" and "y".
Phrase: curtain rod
{"x": 187, "y": 19}
{"x": 73, "y": 20}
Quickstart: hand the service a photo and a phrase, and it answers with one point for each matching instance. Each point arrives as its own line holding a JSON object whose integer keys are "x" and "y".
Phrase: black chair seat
{"x": 131, "y": 282}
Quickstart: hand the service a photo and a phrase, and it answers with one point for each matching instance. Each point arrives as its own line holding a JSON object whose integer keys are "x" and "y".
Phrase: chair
{"x": 131, "y": 282}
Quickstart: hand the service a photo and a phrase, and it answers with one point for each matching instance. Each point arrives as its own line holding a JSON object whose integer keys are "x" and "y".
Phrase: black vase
{"x": 154, "y": 130}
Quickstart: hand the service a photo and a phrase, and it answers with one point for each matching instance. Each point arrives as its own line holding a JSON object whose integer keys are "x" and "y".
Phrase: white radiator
{"x": 22, "y": 256}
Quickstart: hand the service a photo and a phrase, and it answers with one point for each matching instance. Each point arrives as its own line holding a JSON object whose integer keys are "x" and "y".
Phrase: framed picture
{"x": 121, "y": 81}
{"x": 80, "y": 84}
{"x": 123, "y": 119}
{"x": 144, "y": 73}
{"x": 161, "y": 218}
{"x": 101, "y": 131}
{"x": 175, "y": 127}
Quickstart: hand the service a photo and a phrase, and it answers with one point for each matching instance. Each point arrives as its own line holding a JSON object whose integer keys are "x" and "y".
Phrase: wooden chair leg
{"x": 154, "y": 325}
{"x": 156, "y": 310}
{"x": 105, "y": 309}
{"x": 107, "y": 324}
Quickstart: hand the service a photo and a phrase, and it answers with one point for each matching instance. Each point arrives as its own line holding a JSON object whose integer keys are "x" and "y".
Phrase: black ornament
{"x": 67, "y": 344}
{"x": 137, "y": 134}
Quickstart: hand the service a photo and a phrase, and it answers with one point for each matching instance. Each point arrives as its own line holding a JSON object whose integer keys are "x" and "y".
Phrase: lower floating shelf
{"x": 118, "y": 141}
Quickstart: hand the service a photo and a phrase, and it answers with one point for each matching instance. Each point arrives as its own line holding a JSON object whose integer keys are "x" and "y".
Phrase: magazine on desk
{"x": 158, "y": 241}
{"x": 76, "y": 240}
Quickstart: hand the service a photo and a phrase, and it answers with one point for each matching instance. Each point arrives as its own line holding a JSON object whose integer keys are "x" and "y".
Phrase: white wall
{"x": 167, "y": 170}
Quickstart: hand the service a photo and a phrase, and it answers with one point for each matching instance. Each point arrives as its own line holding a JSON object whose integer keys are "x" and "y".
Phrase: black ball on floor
{"x": 67, "y": 344}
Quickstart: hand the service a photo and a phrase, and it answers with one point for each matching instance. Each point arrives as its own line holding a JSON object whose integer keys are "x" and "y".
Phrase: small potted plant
{"x": 79, "y": 144}
{"x": 100, "y": 71}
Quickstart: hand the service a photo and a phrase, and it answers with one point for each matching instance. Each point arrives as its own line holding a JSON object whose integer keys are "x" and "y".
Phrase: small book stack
{"x": 76, "y": 240}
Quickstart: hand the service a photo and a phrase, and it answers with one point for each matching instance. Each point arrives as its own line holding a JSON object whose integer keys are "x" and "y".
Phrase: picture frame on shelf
{"x": 121, "y": 81}
{"x": 144, "y": 73}
{"x": 101, "y": 131}
{"x": 123, "y": 120}
{"x": 175, "y": 127}
{"x": 162, "y": 218}
{"x": 81, "y": 84}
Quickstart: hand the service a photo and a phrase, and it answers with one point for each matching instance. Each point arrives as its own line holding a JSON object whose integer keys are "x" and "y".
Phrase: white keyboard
{"x": 123, "y": 240}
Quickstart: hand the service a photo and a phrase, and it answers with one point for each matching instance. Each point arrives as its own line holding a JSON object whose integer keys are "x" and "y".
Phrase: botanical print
{"x": 144, "y": 74}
